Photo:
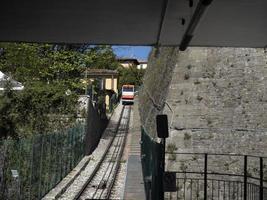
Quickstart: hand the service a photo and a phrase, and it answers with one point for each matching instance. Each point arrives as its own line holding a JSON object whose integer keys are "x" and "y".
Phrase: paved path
{"x": 134, "y": 185}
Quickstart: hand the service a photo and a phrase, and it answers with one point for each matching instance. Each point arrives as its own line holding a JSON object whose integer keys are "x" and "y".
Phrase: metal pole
{"x": 40, "y": 188}
{"x": 19, "y": 189}
{"x": 261, "y": 178}
{"x": 205, "y": 177}
{"x": 245, "y": 177}
{"x": 161, "y": 193}
{"x": 49, "y": 164}
{"x": 93, "y": 88}
{"x": 86, "y": 88}
{"x": 163, "y": 155}
{"x": 32, "y": 170}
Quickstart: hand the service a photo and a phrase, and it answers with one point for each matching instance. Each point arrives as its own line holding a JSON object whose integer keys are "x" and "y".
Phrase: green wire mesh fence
{"x": 33, "y": 166}
{"x": 151, "y": 154}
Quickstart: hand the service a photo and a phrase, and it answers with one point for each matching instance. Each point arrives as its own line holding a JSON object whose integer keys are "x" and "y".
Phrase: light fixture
{"x": 188, "y": 35}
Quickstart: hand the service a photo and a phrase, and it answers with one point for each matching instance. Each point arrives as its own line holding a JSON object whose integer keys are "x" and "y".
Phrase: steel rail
{"x": 119, "y": 147}
{"x": 110, "y": 166}
{"x": 85, "y": 185}
{"x": 113, "y": 180}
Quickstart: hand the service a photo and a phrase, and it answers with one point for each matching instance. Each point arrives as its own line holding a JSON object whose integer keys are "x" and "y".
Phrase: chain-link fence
{"x": 31, "y": 167}
{"x": 151, "y": 153}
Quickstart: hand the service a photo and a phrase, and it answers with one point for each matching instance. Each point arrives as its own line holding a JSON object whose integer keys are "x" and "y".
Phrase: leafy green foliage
{"x": 39, "y": 108}
{"x": 131, "y": 75}
{"x": 7, "y": 117}
{"x": 44, "y": 62}
{"x": 52, "y": 78}
{"x": 101, "y": 57}
{"x": 33, "y": 62}
{"x": 47, "y": 72}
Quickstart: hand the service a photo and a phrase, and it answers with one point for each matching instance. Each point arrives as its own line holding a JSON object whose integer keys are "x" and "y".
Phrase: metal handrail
{"x": 245, "y": 176}
{"x": 216, "y": 154}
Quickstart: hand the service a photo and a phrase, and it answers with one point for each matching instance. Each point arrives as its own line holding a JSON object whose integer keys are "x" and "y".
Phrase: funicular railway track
{"x": 100, "y": 183}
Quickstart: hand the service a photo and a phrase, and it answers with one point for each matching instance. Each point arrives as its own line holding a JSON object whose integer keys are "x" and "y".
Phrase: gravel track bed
{"x": 98, "y": 187}
{"x": 117, "y": 191}
{"x": 78, "y": 183}
{"x": 118, "y": 188}
{"x": 94, "y": 190}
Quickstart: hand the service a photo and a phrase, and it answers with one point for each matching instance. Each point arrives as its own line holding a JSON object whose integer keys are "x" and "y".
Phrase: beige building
{"x": 109, "y": 81}
{"x": 128, "y": 62}
{"x": 142, "y": 65}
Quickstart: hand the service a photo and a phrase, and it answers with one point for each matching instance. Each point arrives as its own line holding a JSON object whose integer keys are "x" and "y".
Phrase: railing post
{"x": 205, "y": 177}
{"x": 261, "y": 178}
{"x": 40, "y": 188}
{"x": 245, "y": 176}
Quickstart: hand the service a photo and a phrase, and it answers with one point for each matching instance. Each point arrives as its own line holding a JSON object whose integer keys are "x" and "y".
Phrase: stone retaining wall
{"x": 218, "y": 97}
{"x": 222, "y": 92}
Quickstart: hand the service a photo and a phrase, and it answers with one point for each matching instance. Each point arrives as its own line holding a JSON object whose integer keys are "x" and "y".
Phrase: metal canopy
{"x": 235, "y": 23}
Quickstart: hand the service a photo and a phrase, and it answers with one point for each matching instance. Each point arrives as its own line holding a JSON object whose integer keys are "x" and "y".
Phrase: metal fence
{"x": 200, "y": 176}
{"x": 33, "y": 166}
{"x": 219, "y": 176}
{"x": 151, "y": 153}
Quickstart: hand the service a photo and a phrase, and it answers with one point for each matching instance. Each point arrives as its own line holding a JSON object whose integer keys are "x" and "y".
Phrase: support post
{"x": 161, "y": 170}
{"x": 163, "y": 133}
{"x": 245, "y": 176}
{"x": 163, "y": 154}
{"x": 261, "y": 178}
{"x": 206, "y": 177}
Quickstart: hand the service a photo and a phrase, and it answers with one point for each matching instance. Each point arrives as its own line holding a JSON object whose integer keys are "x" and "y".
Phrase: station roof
{"x": 101, "y": 73}
{"x": 235, "y": 23}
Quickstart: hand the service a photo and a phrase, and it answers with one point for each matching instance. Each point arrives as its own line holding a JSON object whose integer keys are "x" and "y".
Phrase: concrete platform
{"x": 134, "y": 185}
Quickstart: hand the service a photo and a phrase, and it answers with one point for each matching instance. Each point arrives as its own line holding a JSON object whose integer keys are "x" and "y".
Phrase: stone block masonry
{"x": 156, "y": 83}
{"x": 222, "y": 92}
{"x": 218, "y": 95}
{"x": 218, "y": 98}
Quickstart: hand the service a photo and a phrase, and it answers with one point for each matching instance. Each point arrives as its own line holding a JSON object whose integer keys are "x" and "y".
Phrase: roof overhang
{"x": 101, "y": 73}
{"x": 235, "y": 23}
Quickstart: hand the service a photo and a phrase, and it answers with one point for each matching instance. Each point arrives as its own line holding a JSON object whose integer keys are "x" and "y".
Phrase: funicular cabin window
{"x": 127, "y": 89}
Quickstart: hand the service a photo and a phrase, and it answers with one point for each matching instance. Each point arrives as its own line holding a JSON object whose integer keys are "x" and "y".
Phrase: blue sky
{"x": 139, "y": 52}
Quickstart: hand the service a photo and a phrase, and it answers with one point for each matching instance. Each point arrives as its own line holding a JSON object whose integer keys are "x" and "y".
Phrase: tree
{"x": 131, "y": 75}
{"x": 101, "y": 57}
{"x": 7, "y": 117}
{"x": 53, "y": 63}
{"x": 47, "y": 71}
